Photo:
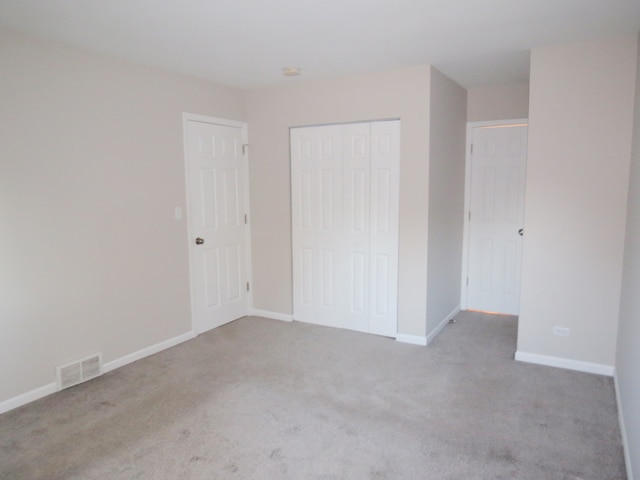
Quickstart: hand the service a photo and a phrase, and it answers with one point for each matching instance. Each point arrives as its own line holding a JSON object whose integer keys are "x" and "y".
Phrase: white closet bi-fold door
{"x": 345, "y": 187}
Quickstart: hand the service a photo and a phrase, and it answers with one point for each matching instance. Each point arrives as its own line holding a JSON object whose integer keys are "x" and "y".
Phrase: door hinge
{"x": 467, "y": 281}
{"x": 248, "y": 287}
{"x": 245, "y": 218}
{"x": 469, "y": 215}
{"x": 245, "y": 146}
{"x": 472, "y": 149}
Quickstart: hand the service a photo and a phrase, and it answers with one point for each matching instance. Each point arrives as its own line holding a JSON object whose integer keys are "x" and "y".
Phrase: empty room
{"x": 320, "y": 240}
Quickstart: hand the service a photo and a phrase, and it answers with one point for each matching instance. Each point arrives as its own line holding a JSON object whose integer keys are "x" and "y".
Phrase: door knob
{"x": 199, "y": 241}
{"x": 521, "y": 232}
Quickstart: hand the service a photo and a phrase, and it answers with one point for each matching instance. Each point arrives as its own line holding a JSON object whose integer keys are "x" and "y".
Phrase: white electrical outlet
{"x": 561, "y": 331}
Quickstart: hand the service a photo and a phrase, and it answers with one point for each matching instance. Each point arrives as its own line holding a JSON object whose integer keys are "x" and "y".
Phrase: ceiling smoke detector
{"x": 291, "y": 71}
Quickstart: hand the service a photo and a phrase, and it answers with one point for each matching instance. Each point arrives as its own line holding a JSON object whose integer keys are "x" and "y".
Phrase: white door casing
{"x": 217, "y": 194}
{"x": 495, "y": 216}
{"x": 345, "y": 188}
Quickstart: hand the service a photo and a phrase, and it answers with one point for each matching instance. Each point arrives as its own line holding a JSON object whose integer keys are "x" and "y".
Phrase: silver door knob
{"x": 199, "y": 241}
{"x": 521, "y": 232}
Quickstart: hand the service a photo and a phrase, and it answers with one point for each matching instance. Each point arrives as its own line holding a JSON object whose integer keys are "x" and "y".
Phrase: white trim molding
{"x": 284, "y": 317}
{"x": 623, "y": 429}
{"x": 145, "y": 352}
{"x": 445, "y": 321}
{"x": 28, "y": 397}
{"x": 50, "y": 388}
{"x": 412, "y": 339}
{"x": 580, "y": 366}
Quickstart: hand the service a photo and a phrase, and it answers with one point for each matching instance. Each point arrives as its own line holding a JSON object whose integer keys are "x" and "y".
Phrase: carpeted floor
{"x": 260, "y": 399}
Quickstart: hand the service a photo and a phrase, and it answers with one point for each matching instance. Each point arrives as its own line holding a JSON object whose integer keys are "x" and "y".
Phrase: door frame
{"x": 186, "y": 118}
{"x": 467, "y": 197}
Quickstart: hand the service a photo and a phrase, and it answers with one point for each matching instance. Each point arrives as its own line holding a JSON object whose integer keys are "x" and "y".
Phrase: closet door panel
{"x": 345, "y": 188}
{"x": 385, "y": 194}
{"x": 356, "y": 158}
{"x": 316, "y": 190}
{"x": 303, "y": 225}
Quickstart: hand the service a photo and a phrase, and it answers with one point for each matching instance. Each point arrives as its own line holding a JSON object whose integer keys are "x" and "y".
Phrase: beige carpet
{"x": 260, "y": 399}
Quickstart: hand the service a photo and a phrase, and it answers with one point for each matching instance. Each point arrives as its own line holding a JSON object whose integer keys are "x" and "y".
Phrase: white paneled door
{"x": 217, "y": 179}
{"x": 496, "y": 224}
{"x": 345, "y": 181}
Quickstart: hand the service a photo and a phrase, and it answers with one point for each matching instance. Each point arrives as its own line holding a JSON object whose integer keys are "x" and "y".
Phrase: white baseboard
{"x": 567, "y": 363}
{"x": 50, "y": 388}
{"x": 284, "y": 317}
{"x": 28, "y": 397}
{"x": 623, "y": 429}
{"x": 445, "y": 321}
{"x": 412, "y": 339}
{"x": 145, "y": 352}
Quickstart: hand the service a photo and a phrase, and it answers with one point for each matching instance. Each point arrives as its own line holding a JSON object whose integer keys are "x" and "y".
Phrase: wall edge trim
{"x": 46, "y": 390}
{"x": 566, "y": 363}
{"x": 28, "y": 397}
{"x": 445, "y": 321}
{"x": 623, "y": 429}
{"x": 283, "y": 317}
{"x": 148, "y": 351}
{"x": 412, "y": 339}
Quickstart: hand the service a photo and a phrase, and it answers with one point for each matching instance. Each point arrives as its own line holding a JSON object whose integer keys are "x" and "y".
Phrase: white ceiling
{"x": 246, "y": 43}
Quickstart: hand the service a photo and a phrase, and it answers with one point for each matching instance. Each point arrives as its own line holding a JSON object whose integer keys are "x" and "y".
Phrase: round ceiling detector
{"x": 291, "y": 71}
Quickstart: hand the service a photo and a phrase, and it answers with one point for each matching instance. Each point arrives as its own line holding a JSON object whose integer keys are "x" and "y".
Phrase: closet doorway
{"x": 345, "y": 191}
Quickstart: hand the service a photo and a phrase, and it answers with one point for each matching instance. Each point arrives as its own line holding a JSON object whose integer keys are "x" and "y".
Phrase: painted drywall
{"x": 271, "y": 112}
{"x": 628, "y": 351}
{"x": 91, "y": 169}
{"x": 498, "y": 102}
{"x": 446, "y": 197}
{"x": 580, "y": 117}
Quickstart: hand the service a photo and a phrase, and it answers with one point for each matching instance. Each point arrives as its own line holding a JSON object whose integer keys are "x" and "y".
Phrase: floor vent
{"x": 79, "y": 371}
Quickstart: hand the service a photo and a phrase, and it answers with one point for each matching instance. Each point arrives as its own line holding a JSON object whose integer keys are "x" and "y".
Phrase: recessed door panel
{"x": 381, "y": 193}
{"x": 327, "y": 284}
{"x": 212, "y": 278}
{"x": 304, "y": 193}
{"x": 208, "y": 198}
{"x": 358, "y": 279}
{"x": 230, "y": 199}
{"x": 306, "y": 275}
{"x": 380, "y": 275}
{"x": 327, "y": 196}
{"x": 234, "y": 278}
{"x": 359, "y": 201}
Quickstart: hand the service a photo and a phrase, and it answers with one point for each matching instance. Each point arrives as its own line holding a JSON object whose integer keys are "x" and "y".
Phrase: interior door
{"x": 345, "y": 187}
{"x": 498, "y": 170}
{"x": 217, "y": 178}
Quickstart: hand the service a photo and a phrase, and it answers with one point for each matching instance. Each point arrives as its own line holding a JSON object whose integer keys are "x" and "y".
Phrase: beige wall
{"x": 446, "y": 197}
{"x": 498, "y": 102}
{"x": 576, "y": 195}
{"x": 628, "y": 352}
{"x": 400, "y": 94}
{"x": 91, "y": 168}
